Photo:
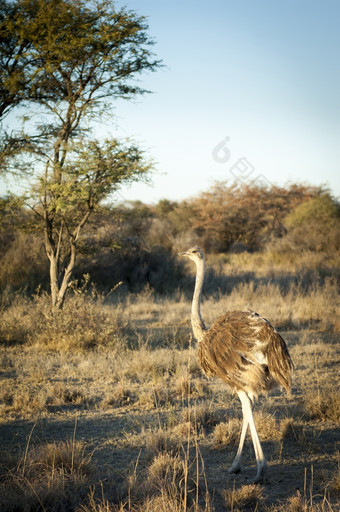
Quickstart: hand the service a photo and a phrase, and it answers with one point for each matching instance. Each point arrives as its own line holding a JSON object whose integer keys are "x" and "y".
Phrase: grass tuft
{"x": 166, "y": 470}
{"x": 247, "y": 497}
{"x": 322, "y": 404}
{"x": 84, "y": 323}
{"x": 226, "y": 433}
{"x": 163, "y": 441}
{"x": 267, "y": 426}
{"x": 46, "y": 475}
{"x": 334, "y": 484}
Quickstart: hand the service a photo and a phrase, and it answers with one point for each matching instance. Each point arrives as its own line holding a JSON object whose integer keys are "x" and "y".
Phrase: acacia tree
{"x": 12, "y": 65}
{"x": 77, "y": 57}
{"x": 15, "y": 75}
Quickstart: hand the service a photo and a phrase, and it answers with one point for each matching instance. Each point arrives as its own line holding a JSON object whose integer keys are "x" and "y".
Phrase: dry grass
{"x": 300, "y": 503}
{"x": 51, "y": 476}
{"x": 293, "y": 308}
{"x": 272, "y": 262}
{"x": 156, "y": 426}
{"x": 121, "y": 395}
{"x": 226, "y": 433}
{"x": 163, "y": 441}
{"x": 267, "y": 426}
{"x": 202, "y": 415}
{"x": 247, "y": 497}
{"x": 323, "y": 404}
{"x": 88, "y": 322}
{"x": 334, "y": 483}
{"x": 85, "y": 323}
{"x": 165, "y": 502}
{"x": 173, "y": 479}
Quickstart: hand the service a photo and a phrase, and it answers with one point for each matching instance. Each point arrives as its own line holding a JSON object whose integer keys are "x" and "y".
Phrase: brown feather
{"x": 245, "y": 350}
{"x": 241, "y": 347}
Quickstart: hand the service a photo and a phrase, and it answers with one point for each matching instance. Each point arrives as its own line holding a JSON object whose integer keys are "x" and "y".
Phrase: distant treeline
{"x": 137, "y": 243}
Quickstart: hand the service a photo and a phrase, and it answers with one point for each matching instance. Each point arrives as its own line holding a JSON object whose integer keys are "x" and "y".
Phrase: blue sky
{"x": 264, "y": 73}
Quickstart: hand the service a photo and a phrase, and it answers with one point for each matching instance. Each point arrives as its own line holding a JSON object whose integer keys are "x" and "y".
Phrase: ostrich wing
{"x": 243, "y": 349}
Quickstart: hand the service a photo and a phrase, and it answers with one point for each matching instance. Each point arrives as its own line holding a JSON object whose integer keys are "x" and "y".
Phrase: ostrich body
{"x": 246, "y": 352}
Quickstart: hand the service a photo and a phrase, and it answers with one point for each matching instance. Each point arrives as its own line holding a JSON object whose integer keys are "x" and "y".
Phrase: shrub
{"x": 241, "y": 213}
{"x": 84, "y": 322}
{"x": 321, "y": 208}
{"x": 313, "y": 225}
{"x": 24, "y": 263}
{"x": 136, "y": 266}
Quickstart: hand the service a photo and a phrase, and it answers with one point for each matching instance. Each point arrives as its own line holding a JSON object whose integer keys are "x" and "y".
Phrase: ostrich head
{"x": 194, "y": 253}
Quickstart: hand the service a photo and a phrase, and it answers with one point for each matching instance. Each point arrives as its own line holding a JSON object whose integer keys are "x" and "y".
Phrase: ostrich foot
{"x": 235, "y": 467}
{"x": 261, "y": 471}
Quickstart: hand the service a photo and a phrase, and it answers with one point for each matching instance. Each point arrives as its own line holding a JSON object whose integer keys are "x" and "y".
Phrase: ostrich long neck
{"x": 197, "y": 322}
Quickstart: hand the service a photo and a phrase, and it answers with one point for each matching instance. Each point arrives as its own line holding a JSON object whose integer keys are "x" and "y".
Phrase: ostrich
{"x": 246, "y": 352}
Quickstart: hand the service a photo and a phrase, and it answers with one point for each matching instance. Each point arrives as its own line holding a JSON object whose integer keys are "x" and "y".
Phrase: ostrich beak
{"x": 182, "y": 253}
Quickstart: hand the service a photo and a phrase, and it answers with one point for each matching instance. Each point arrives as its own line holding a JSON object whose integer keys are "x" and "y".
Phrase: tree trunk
{"x": 53, "y": 249}
{"x": 61, "y": 294}
{"x": 53, "y": 279}
{"x": 58, "y": 291}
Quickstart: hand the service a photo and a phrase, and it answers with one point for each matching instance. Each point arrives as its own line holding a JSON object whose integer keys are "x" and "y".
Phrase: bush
{"x": 247, "y": 214}
{"x": 24, "y": 263}
{"x": 136, "y": 243}
{"x": 314, "y": 225}
{"x": 319, "y": 209}
{"x": 84, "y": 322}
{"x": 136, "y": 267}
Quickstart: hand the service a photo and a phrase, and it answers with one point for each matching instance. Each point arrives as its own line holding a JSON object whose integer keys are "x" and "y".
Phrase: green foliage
{"x": 319, "y": 209}
{"x": 313, "y": 225}
{"x": 13, "y": 63}
{"x": 92, "y": 172}
{"x": 108, "y": 48}
{"x": 72, "y": 56}
{"x": 164, "y": 208}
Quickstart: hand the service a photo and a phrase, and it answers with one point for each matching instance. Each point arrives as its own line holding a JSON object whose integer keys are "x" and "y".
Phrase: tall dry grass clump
{"x": 302, "y": 503}
{"x": 292, "y": 306}
{"x": 226, "y": 433}
{"x": 169, "y": 481}
{"x": 53, "y": 476}
{"x": 173, "y": 482}
{"x": 85, "y": 322}
{"x": 334, "y": 484}
{"x": 322, "y": 403}
{"x": 247, "y": 497}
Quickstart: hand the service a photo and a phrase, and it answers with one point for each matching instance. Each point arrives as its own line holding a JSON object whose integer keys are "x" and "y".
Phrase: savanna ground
{"x": 103, "y": 407}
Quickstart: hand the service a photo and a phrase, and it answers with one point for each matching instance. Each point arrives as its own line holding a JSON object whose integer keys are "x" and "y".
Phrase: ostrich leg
{"x": 236, "y": 465}
{"x": 260, "y": 460}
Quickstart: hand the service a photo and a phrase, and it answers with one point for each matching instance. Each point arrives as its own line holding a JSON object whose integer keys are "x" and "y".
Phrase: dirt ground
{"x": 302, "y": 460}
